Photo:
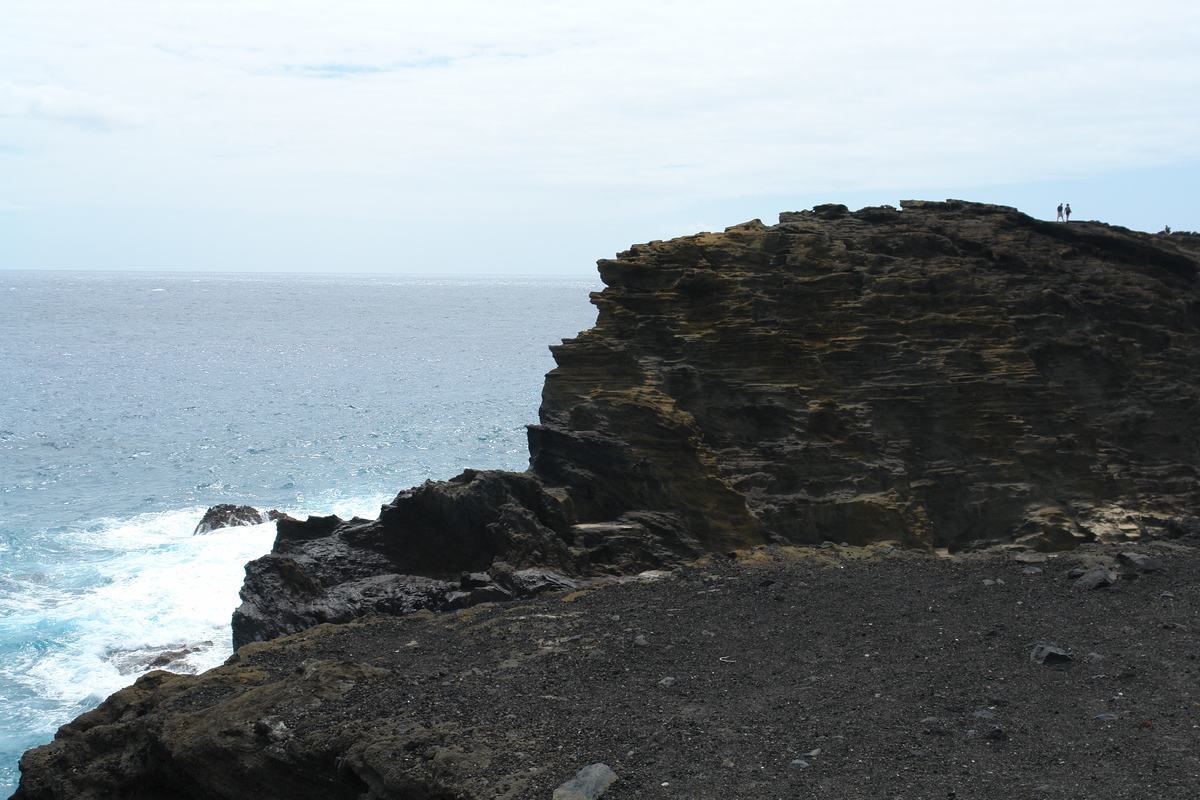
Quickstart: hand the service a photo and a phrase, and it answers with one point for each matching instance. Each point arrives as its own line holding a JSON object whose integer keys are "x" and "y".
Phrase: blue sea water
{"x": 131, "y": 402}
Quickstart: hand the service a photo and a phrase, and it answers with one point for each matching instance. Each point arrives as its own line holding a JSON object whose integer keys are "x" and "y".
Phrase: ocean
{"x": 131, "y": 402}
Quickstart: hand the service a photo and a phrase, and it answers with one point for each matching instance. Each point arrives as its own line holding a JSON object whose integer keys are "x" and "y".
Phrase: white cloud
{"x": 58, "y": 104}
{"x": 411, "y": 107}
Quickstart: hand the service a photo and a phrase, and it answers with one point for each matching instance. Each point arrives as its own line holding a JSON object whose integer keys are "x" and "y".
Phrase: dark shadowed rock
{"x": 1096, "y": 578}
{"x": 501, "y": 525}
{"x": 1140, "y": 562}
{"x": 1049, "y": 654}
{"x": 1184, "y": 525}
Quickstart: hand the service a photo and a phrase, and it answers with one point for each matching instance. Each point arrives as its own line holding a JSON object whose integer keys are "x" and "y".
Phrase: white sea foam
{"x": 168, "y": 402}
{"x": 146, "y": 585}
{"x": 138, "y": 594}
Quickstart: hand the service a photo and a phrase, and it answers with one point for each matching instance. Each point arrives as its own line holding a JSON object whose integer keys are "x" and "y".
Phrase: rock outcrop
{"x": 949, "y": 375}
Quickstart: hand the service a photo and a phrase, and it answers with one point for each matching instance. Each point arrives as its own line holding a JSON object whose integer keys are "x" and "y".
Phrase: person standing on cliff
{"x": 1060, "y": 214}
{"x": 1067, "y": 211}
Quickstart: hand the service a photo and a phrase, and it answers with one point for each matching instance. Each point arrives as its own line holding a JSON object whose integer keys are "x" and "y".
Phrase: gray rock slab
{"x": 588, "y": 784}
{"x": 1096, "y": 578}
{"x": 1049, "y": 654}
{"x": 1142, "y": 562}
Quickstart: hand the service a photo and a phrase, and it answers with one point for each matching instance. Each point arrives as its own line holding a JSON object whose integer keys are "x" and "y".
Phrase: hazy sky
{"x": 522, "y": 136}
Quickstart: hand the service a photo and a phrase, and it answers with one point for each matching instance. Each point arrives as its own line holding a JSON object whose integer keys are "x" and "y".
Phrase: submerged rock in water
{"x": 227, "y": 515}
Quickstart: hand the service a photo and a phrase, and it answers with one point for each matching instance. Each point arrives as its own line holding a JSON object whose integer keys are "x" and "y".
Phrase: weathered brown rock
{"x": 949, "y": 375}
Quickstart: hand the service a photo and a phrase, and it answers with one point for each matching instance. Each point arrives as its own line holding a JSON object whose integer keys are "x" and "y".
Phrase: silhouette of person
{"x": 1060, "y": 216}
{"x": 1067, "y": 211}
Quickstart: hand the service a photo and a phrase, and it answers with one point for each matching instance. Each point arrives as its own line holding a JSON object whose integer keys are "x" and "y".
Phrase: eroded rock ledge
{"x": 950, "y": 375}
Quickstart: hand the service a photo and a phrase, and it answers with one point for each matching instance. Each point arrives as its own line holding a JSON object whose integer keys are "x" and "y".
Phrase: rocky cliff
{"x": 946, "y": 375}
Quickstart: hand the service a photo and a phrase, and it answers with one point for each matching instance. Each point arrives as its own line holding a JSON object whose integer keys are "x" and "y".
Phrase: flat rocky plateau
{"x": 775, "y": 672}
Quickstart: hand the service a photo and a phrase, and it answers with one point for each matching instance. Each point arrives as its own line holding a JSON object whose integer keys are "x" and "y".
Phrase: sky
{"x": 530, "y": 137}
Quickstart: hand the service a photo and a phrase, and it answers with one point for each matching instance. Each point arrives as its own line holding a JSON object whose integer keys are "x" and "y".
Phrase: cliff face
{"x": 949, "y": 375}
{"x": 946, "y": 375}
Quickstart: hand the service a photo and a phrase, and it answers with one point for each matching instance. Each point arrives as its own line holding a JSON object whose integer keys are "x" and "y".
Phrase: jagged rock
{"x": 227, "y": 515}
{"x": 1049, "y": 654}
{"x": 1184, "y": 525}
{"x": 945, "y": 375}
{"x": 325, "y": 569}
{"x": 1095, "y": 578}
{"x": 1140, "y": 562}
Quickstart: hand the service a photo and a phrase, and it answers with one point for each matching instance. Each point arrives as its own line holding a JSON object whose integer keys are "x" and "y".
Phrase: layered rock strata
{"x": 947, "y": 375}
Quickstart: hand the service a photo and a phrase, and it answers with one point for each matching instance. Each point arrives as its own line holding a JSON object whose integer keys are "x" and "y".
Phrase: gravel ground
{"x": 832, "y": 672}
{"x": 835, "y": 672}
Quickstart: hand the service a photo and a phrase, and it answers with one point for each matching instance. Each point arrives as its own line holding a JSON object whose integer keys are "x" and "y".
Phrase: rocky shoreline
{"x": 781, "y": 672}
{"x": 887, "y": 503}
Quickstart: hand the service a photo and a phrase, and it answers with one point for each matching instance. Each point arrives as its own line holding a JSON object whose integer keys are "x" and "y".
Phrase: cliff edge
{"x": 947, "y": 375}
